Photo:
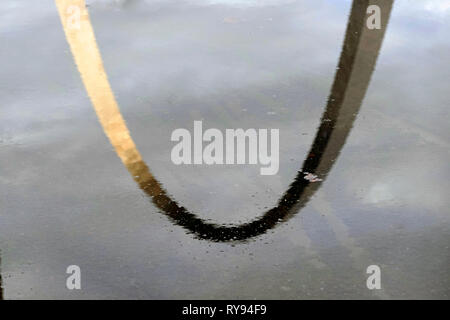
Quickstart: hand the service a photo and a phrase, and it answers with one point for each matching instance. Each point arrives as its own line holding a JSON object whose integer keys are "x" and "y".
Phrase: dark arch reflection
{"x": 356, "y": 64}
{"x": 1, "y": 283}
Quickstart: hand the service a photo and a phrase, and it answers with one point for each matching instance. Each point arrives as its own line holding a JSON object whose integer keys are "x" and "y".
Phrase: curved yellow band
{"x": 89, "y": 62}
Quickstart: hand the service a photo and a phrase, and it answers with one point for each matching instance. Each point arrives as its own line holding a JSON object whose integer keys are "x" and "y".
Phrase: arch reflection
{"x": 358, "y": 57}
{"x": 1, "y": 283}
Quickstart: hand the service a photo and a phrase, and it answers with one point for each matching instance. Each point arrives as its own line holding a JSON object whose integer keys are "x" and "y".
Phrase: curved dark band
{"x": 356, "y": 64}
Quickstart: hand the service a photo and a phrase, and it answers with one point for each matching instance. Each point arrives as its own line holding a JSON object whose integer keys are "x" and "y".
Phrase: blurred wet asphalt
{"x": 66, "y": 198}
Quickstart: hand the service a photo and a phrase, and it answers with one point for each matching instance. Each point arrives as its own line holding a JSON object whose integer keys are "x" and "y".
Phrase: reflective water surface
{"x": 372, "y": 123}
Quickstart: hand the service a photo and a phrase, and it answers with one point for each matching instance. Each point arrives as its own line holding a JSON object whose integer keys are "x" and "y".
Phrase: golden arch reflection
{"x": 356, "y": 64}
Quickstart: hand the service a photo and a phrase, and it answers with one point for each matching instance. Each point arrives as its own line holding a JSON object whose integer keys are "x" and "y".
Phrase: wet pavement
{"x": 365, "y": 110}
